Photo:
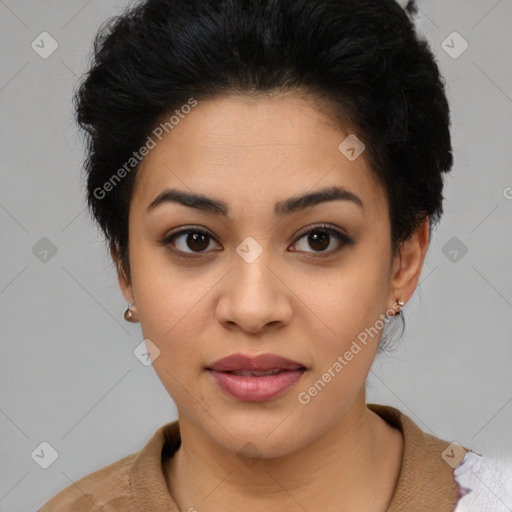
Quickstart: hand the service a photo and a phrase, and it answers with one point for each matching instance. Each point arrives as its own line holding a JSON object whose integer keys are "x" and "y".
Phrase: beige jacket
{"x": 136, "y": 483}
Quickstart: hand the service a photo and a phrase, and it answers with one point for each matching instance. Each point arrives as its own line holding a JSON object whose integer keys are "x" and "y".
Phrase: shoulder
{"x": 439, "y": 475}
{"x": 426, "y": 480}
{"x": 131, "y": 484}
{"x": 95, "y": 490}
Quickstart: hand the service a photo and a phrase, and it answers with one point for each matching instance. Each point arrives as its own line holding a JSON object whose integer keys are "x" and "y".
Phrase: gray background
{"x": 68, "y": 374}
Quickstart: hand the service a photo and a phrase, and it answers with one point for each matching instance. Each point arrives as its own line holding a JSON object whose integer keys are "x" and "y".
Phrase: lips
{"x": 256, "y": 378}
{"x": 259, "y": 363}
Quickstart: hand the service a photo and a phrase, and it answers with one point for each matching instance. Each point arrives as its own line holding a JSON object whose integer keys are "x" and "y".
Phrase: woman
{"x": 268, "y": 174}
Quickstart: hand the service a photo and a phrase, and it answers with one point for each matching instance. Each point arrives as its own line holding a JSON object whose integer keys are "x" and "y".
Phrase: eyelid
{"x": 339, "y": 235}
{"x": 319, "y": 226}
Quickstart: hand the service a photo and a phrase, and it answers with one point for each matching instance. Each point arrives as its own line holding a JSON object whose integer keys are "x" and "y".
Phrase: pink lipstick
{"x": 256, "y": 378}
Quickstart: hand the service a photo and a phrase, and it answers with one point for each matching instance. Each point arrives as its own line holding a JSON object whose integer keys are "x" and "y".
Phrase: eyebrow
{"x": 281, "y": 208}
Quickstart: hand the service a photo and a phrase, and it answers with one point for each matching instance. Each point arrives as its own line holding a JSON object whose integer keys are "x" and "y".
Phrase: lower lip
{"x": 256, "y": 389}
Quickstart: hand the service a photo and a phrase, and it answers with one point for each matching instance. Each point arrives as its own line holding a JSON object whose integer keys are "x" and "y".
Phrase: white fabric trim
{"x": 487, "y": 484}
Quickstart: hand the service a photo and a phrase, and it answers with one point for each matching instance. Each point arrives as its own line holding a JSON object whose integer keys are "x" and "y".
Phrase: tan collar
{"x": 425, "y": 481}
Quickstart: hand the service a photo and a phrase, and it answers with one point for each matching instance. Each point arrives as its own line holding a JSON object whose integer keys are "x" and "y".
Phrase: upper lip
{"x": 259, "y": 362}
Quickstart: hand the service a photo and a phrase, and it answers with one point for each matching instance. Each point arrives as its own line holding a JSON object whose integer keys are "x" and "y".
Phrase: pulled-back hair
{"x": 362, "y": 58}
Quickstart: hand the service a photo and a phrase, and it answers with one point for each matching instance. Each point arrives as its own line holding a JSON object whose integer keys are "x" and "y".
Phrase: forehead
{"x": 254, "y": 150}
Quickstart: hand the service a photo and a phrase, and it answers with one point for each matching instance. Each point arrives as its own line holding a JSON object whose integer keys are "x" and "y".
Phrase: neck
{"x": 354, "y": 465}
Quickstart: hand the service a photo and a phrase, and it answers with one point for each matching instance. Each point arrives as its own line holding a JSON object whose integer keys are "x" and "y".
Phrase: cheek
{"x": 345, "y": 341}
{"x": 349, "y": 318}
{"x": 351, "y": 298}
{"x": 174, "y": 309}
{"x": 165, "y": 292}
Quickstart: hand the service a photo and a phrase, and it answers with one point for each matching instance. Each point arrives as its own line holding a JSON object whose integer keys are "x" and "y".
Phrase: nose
{"x": 254, "y": 297}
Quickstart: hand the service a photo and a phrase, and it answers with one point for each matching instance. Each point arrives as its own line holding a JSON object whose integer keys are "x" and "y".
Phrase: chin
{"x": 260, "y": 435}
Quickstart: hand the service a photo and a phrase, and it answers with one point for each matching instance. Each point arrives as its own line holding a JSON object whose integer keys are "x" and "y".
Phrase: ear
{"x": 123, "y": 279}
{"x": 407, "y": 267}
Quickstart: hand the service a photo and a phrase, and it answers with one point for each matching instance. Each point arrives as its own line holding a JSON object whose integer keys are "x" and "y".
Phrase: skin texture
{"x": 250, "y": 152}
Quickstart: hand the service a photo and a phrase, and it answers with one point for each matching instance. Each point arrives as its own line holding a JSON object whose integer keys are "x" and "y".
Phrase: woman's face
{"x": 258, "y": 283}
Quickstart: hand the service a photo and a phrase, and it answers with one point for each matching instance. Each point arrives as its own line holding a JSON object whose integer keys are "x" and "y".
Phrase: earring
{"x": 398, "y": 304}
{"x": 129, "y": 315}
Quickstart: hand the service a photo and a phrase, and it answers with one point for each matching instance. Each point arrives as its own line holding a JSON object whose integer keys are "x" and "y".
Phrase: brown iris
{"x": 199, "y": 241}
{"x": 320, "y": 238}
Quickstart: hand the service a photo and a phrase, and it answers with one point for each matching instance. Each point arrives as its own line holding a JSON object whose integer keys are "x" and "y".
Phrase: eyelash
{"x": 338, "y": 235}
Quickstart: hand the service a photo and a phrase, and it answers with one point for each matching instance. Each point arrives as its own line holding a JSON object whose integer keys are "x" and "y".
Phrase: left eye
{"x": 320, "y": 238}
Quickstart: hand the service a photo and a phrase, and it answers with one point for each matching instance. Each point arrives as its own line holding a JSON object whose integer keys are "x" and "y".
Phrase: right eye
{"x": 195, "y": 239}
